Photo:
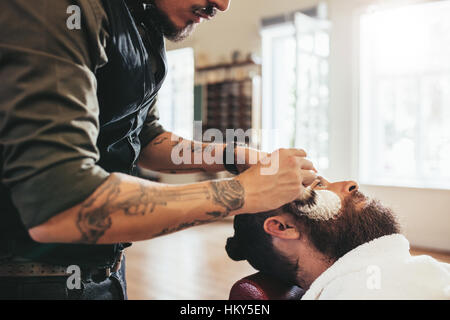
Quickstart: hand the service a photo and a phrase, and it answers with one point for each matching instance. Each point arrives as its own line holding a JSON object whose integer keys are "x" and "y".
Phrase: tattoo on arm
{"x": 182, "y": 170}
{"x": 94, "y": 223}
{"x": 228, "y": 194}
{"x": 176, "y": 143}
{"x": 211, "y": 149}
{"x": 160, "y": 140}
{"x": 181, "y": 227}
{"x": 216, "y": 214}
{"x": 196, "y": 147}
{"x": 94, "y": 217}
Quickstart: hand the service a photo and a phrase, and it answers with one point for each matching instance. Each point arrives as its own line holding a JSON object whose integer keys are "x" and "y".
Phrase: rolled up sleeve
{"x": 48, "y": 106}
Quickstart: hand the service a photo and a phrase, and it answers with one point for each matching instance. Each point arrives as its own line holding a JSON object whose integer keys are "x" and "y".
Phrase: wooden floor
{"x": 191, "y": 265}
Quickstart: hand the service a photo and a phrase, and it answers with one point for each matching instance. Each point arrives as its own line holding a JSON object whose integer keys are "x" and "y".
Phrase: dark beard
{"x": 354, "y": 227}
{"x": 333, "y": 238}
{"x": 161, "y": 21}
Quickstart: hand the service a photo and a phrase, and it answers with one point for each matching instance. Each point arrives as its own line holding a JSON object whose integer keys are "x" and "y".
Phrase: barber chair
{"x": 259, "y": 286}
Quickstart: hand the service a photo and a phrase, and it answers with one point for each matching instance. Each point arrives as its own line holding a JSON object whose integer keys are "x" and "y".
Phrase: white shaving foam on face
{"x": 328, "y": 205}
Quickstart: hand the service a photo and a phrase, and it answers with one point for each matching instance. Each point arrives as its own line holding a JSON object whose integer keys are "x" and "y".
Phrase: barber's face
{"x": 185, "y": 14}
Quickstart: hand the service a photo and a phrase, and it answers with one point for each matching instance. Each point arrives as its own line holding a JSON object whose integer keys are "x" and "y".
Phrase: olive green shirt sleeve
{"x": 49, "y": 110}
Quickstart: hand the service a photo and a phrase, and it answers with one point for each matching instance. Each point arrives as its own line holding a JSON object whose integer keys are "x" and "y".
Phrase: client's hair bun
{"x": 235, "y": 250}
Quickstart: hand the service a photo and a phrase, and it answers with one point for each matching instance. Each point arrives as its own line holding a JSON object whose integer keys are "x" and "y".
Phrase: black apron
{"x": 127, "y": 86}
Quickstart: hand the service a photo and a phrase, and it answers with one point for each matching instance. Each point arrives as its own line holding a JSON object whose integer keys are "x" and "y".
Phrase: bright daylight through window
{"x": 405, "y": 96}
{"x": 296, "y": 95}
{"x": 176, "y": 97}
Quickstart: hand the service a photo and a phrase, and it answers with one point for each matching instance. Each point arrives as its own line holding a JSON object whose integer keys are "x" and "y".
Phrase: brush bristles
{"x": 308, "y": 199}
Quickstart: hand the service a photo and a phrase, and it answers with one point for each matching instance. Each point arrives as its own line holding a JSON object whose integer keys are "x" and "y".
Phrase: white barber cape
{"x": 383, "y": 269}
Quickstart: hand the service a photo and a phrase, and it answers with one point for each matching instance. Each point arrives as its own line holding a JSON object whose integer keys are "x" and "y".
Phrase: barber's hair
{"x": 334, "y": 238}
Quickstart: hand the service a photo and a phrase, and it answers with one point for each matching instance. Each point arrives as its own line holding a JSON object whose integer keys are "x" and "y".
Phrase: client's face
{"x": 359, "y": 220}
{"x": 271, "y": 243}
{"x": 344, "y": 189}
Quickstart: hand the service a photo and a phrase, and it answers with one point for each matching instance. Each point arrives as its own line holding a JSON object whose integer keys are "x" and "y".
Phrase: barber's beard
{"x": 161, "y": 21}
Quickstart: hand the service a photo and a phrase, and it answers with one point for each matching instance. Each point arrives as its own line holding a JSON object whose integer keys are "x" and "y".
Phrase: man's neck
{"x": 311, "y": 265}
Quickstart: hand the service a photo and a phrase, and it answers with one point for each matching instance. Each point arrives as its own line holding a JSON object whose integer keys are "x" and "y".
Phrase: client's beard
{"x": 161, "y": 21}
{"x": 353, "y": 227}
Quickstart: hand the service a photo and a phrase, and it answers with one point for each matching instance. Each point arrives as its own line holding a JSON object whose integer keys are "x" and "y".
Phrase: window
{"x": 405, "y": 96}
{"x": 313, "y": 91}
{"x": 296, "y": 87}
{"x": 279, "y": 86}
{"x": 176, "y": 96}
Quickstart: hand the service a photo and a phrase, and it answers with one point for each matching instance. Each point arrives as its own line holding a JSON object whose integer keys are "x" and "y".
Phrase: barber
{"x": 77, "y": 116}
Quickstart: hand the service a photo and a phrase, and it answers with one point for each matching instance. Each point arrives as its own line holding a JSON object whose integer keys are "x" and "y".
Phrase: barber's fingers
{"x": 315, "y": 183}
{"x": 295, "y": 157}
{"x": 309, "y": 177}
{"x": 305, "y": 164}
{"x": 299, "y": 153}
{"x": 292, "y": 152}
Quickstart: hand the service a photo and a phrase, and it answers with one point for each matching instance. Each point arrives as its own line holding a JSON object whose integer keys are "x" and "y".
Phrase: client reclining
{"x": 336, "y": 243}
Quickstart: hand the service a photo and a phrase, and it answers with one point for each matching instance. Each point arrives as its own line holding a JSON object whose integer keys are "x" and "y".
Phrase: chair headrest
{"x": 259, "y": 286}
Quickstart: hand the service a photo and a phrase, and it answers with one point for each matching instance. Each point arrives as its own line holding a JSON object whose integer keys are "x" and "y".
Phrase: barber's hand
{"x": 277, "y": 180}
{"x": 247, "y": 157}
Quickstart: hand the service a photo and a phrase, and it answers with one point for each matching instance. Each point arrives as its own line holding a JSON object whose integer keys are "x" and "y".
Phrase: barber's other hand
{"x": 277, "y": 180}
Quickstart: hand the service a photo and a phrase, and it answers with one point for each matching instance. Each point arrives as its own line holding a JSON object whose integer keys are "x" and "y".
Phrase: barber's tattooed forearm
{"x": 176, "y": 143}
{"x": 211, "y": 149}
{"x": 228, "y": 193}
{"x": 216, "y": 215}
{"x": 181, "y": 227}
{"x": 94, "y": 217}
{"x": 183, "y": 170}
{"x": 197, "y": 147}
{"x": 159, "y": 141}
{"x": 93, "y": 223}
{"x": 146, "y": 200}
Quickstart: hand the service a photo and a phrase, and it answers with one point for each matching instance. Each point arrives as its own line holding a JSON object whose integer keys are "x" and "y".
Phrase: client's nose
{"x": 222, "y": 5}
{"x": 351, "y": 186}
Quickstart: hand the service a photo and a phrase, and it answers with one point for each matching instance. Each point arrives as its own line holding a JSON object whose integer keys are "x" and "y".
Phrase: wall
{"x": 424, "y": 213}
{"x": 238, "y": 28}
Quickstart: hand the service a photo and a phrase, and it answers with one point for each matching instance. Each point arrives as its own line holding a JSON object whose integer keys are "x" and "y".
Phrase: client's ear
{"x": 281, "y": 227}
